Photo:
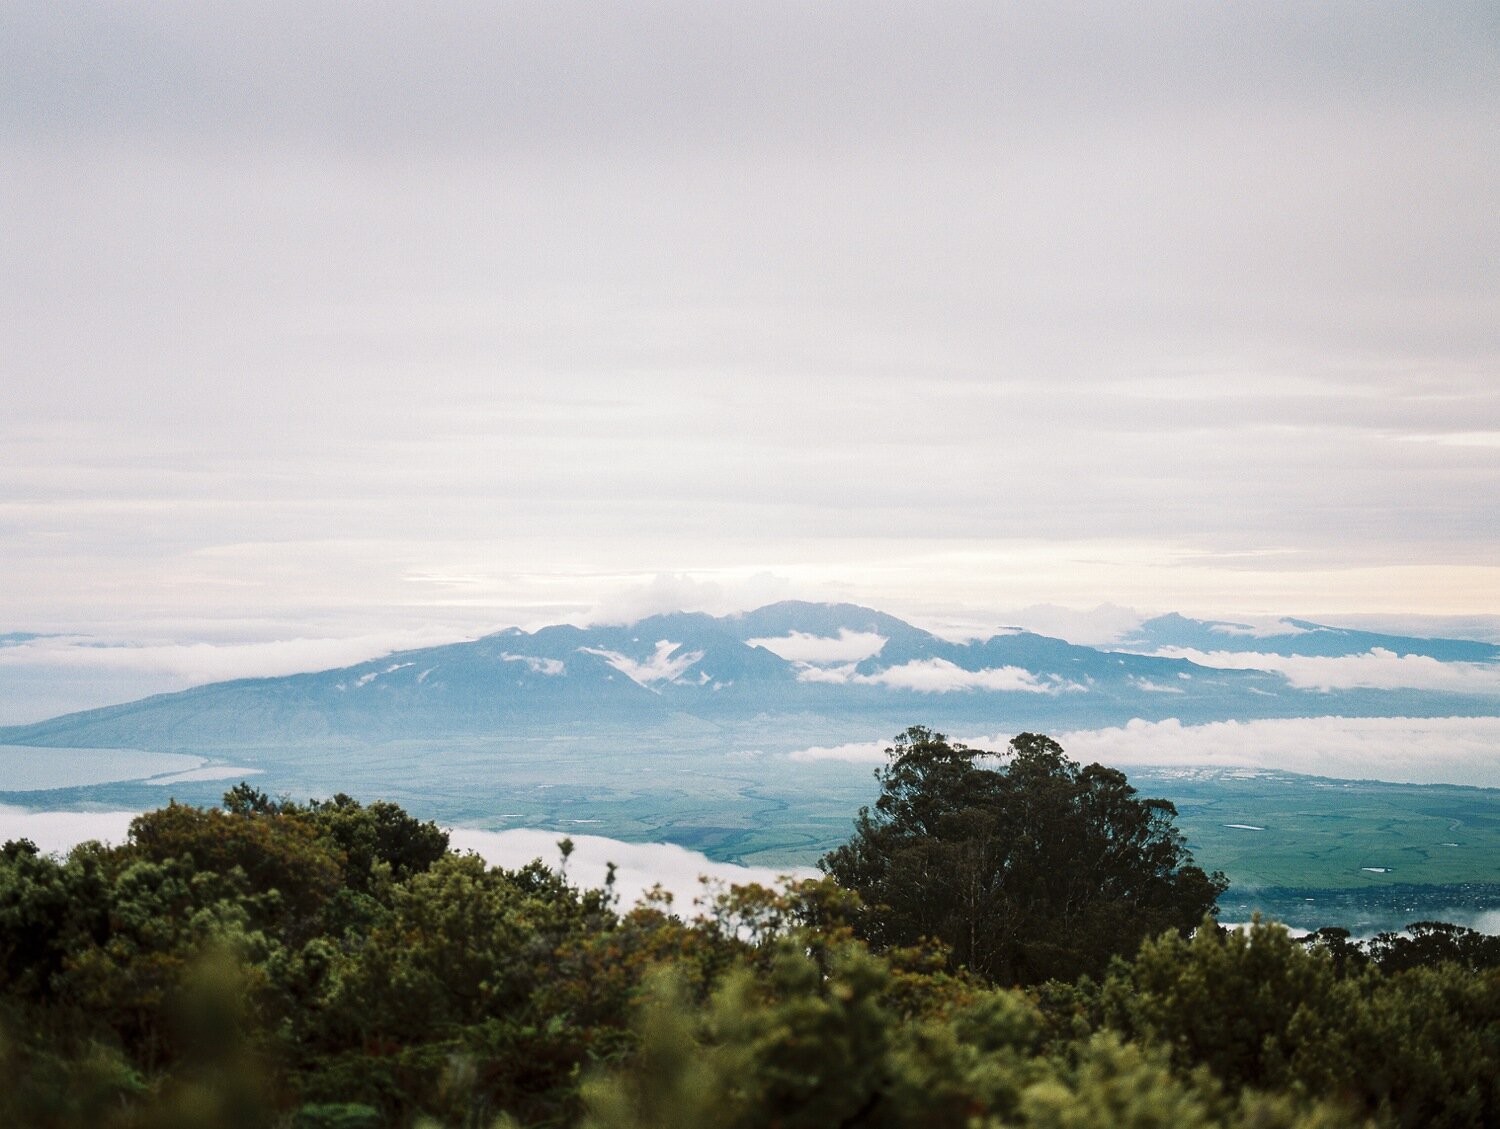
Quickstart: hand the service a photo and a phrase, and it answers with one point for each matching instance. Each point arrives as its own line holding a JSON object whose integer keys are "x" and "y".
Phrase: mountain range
{"x": 836, "y": 663}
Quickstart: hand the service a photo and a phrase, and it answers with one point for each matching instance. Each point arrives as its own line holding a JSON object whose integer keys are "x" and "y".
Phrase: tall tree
{"x": 1028, "y": 865}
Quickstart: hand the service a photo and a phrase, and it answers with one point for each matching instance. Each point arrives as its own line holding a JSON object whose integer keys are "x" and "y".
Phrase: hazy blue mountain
{"x": 1300, "y": 637}
{"x": 698, "y": 674}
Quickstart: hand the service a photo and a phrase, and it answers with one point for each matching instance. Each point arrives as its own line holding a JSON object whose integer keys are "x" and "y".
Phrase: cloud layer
{"x": 664, "y": 665}
{"x": 1376, "y": 669}
{"x": 329, "y": 312}
{"x": 846, "y": 646}
{"x": 1451, "y": 750}
{"x": 639, "y": 866}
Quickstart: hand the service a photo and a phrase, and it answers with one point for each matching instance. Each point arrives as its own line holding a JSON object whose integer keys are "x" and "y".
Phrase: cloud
{"x": 213, "y": 662}
{"x": 1265, "y": 630}
{"x": 939, "y": 676}
{"x": 1402, "y": 750}
{"x": 1376, "y": 669}
{"x": 833, "y": 675}
{"x": 1091, "y": 627}
{"x": 802, "y": 646}
{"x": 1151, "y": 687}
{"x": 57, "y": 832}
{"x": 855, "y": 752}
{"x": 1398, "y": 749}
{"x": 663, "y": 665}
{"x": 668, "y": 274}
{"x": 640, "y": 866}
{"x": 1482, "y": 628}
{"x": 552, "y": 667}
{"x": 680, "y": 592}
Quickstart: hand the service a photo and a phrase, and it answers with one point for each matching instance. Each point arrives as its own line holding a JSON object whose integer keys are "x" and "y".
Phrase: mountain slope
{"x": 841, "y": 663}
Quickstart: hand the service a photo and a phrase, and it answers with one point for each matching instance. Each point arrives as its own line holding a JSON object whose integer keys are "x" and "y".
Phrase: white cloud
{"x": 669, "y": 592}
{"x": 1456, "y": 438}
{"x": 57, "y": 832}
{"x": 856, "y": 752}
{"x": 939, "y": 676}
{"x": 213, "y": 662}
{"x": 802, "y": 646}
{"x": 1443, "y": 750}
{"x": 657, "y": 324}
{"x": 552, "y": 667}
{"x": 1404, "y": 750}
{"x": 1151, "y": 687}
{"x": 640, "y": 866}
{"x": 1263, "y": 630}
{"x": 663, "y": 665}
{"x": 1377, "y": 669}
{"x": 836, "y": 675}
{"x": 1089, "y": 627}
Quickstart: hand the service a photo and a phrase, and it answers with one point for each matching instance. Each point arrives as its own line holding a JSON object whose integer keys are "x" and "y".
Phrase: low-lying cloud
{"x": 1376, "y": 669}
{"x": 802, "y": 646}
{"x": 939, "y": 676}
{"x": 639, "y": 866}
{"x": 1266, "y": 630}
{"x": 1403, "y": 750}
{"x": 57, "y": 832}
{"x": 664, "y": 665}
{"x": 550, "y": 667}
{"x": 215, "y": 662}
{"x": 855, "y": 752}
{"x": 1444, "y": 750}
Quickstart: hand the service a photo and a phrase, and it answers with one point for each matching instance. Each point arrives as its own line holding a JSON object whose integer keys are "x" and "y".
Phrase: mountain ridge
{"x": 856, "y": 663}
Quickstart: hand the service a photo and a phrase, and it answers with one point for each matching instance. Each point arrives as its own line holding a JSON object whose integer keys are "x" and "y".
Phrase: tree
{"x": 1035, "y": 868}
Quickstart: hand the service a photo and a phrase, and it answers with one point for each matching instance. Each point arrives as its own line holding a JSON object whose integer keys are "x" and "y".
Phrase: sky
{"x": 341, "y": 327}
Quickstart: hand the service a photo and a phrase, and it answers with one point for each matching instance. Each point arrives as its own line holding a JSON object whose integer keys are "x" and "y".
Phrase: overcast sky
{"x": 331, "y": 319}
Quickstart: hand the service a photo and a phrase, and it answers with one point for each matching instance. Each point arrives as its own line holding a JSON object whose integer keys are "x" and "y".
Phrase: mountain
{"x": 822, "y": 668}
{"x": 1292, "y": 637}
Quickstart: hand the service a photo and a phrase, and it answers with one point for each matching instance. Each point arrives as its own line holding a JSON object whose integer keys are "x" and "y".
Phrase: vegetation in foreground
{"x": 1021, "y": 943}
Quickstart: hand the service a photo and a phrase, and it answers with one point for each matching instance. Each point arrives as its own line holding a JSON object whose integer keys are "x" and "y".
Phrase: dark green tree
{"x": 1030, "y": 866}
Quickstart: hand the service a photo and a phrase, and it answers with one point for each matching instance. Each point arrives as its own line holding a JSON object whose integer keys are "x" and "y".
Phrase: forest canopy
{"x": 334, "y": 964}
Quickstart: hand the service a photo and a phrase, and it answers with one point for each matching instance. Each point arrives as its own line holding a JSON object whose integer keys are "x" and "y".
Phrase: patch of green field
{"x": 1275, "y": 829}
{"x": 766, "y": 809}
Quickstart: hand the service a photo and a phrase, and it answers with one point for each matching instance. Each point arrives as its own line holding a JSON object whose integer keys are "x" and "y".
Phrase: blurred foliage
{"x": 333, "y": 965}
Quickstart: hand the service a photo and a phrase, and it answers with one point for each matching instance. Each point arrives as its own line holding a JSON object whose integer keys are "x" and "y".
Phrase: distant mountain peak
{"x": 834, "y": 665}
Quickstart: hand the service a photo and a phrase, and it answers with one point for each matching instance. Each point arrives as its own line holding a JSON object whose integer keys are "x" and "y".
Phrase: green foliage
{"x": 334, "y": 966}
{"x": 815, "y": 1045}
{"x": 1429, "y": 943}
{"x": 1252, "y": 1005}
{"x": 1420, "y": 1047}
{"x": 1037, "y": 870}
